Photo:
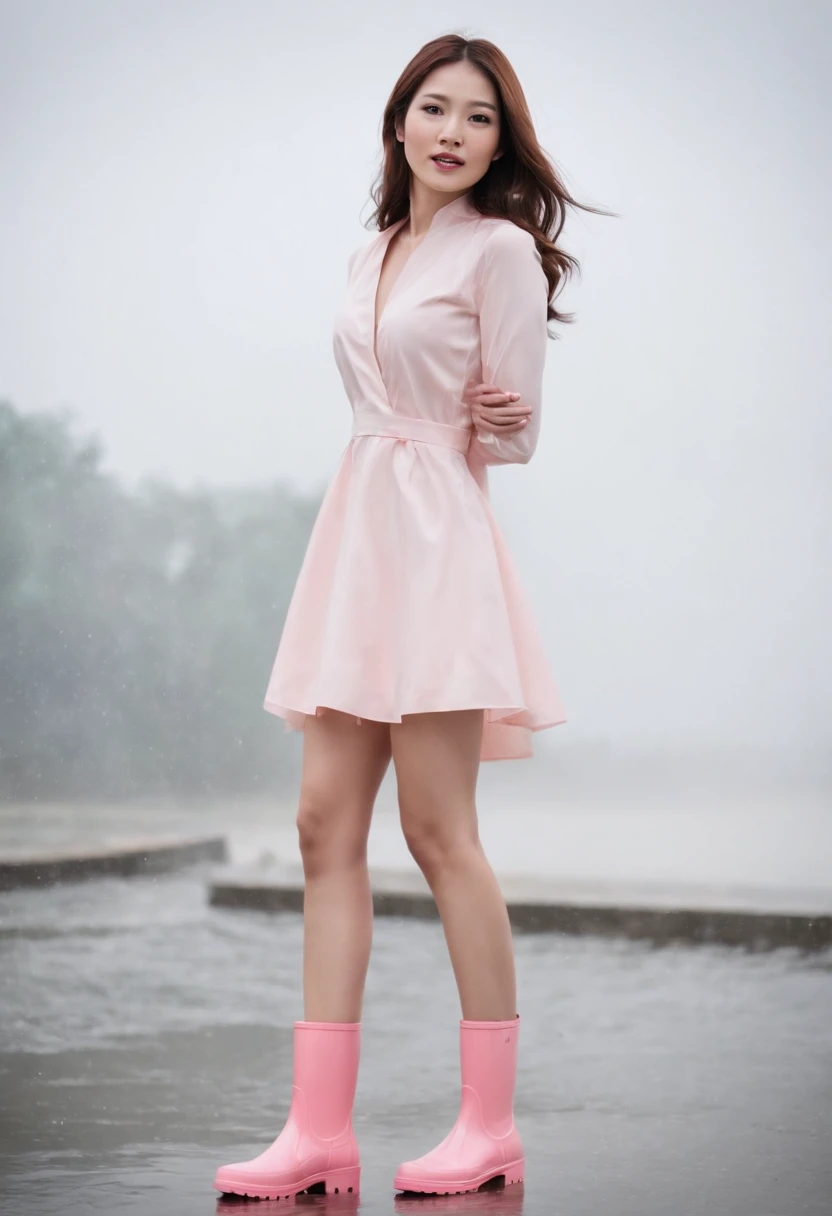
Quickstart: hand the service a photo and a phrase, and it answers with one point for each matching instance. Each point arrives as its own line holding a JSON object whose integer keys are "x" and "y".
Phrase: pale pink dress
{"x": 408, "y": 599}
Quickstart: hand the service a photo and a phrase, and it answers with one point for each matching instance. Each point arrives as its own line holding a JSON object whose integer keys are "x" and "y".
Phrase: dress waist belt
{"x": 423, "y": 430}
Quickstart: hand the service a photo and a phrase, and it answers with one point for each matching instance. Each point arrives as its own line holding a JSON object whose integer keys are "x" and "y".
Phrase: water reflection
{"x": 502, "y": 1201}
{"x": 493, "y": 1201}
{"x": 315, "y": 1205}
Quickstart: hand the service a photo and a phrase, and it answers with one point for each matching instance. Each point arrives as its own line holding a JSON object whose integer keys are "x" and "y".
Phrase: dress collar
{"x": 458, "y": 211}
{"x": 461, "y": 208}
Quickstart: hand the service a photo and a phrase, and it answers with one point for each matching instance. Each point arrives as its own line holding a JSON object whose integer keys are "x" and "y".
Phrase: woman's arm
{"x": 511, "y": 294}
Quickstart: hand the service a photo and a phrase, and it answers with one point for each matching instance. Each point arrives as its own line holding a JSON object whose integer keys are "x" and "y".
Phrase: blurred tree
{"x": 137, "y": 631}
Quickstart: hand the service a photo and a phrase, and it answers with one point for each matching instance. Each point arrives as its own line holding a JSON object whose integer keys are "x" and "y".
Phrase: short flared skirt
{"x": 408, "y": 601}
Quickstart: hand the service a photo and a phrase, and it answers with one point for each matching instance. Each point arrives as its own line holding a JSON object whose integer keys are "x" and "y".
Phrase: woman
{"x": 408, "y": 635}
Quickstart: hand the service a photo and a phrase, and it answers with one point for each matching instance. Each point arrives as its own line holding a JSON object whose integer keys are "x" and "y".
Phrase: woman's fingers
{"x": 500, "y": 403}
{"x": 503, "y": 403}
{"x": 500, "y": 420}
{"x": 495, "y": 428}
{"x": 491, "y": 399}
{"x": 501, "y": 413}
{"x": 495, "y": 411}
{"x": 488, "y": 394}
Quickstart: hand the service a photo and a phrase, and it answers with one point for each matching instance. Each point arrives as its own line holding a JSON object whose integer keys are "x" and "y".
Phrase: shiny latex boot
{"x": 483, "y": 1146}
{"x": 317, "y": 1145}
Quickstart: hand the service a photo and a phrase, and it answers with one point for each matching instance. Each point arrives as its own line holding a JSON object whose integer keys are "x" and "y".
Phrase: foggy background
{"x": 181, "y": 186}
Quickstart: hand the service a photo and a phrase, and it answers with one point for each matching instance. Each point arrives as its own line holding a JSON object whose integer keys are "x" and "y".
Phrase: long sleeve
{"x": 511, "y": 294}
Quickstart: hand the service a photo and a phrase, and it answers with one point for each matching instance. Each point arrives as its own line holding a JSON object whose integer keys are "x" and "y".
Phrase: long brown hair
{"x": 522, "y": 185}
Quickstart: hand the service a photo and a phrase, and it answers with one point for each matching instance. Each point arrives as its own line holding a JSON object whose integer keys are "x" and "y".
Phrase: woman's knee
{"x": 436, "y": 844}
{"x": 332, "y": 832}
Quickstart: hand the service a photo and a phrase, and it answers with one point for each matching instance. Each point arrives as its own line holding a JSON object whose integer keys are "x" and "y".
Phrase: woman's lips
{"x": 447, "y": 165}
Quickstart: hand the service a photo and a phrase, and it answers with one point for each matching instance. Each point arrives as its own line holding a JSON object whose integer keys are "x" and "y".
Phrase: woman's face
{"x": 454, "y": 112}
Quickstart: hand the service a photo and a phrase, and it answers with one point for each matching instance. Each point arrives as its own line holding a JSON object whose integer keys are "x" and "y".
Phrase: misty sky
{"x": 181, "y": 184}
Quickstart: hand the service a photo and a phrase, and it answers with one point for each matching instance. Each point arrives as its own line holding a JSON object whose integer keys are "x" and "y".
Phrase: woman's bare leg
{"x": 436, "y": 757}
{"x": 343, "y": 766}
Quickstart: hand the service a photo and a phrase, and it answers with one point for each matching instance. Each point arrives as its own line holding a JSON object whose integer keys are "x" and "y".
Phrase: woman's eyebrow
{"x": 483, "y": 105}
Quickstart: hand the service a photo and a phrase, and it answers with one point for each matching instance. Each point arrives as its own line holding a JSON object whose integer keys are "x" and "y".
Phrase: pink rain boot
{"x": 317, "y": 1145}
{"x": 483, "y": 1144}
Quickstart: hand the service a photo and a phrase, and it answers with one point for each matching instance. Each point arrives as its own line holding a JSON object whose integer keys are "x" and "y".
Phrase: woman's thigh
{"x": 437, "y": 758}
{"x": 342, "y": 769}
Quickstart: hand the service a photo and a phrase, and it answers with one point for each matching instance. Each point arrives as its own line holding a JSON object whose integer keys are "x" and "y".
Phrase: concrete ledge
{"x": 117, "y": 857}
{"x": 756, "y": 919}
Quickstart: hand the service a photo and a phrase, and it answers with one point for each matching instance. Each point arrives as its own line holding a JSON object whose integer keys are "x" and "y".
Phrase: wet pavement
{"x": 146, "y": 1039}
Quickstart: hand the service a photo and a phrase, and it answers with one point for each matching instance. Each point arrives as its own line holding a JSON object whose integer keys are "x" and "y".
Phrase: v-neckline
{"x": 460, "y": 205}
{"x": 377, "y": 318}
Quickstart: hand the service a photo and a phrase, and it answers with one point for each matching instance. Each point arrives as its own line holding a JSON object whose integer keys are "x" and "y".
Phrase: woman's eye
{"x": 432, "y": 107}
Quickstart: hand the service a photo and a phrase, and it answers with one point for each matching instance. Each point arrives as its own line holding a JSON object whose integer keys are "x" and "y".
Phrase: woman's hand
{"x": 495, "y": 411}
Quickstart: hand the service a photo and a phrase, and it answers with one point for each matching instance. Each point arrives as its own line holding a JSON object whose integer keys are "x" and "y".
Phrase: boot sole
{"x": 511, "y": 1173}
{"x": 334, "y": 1182}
